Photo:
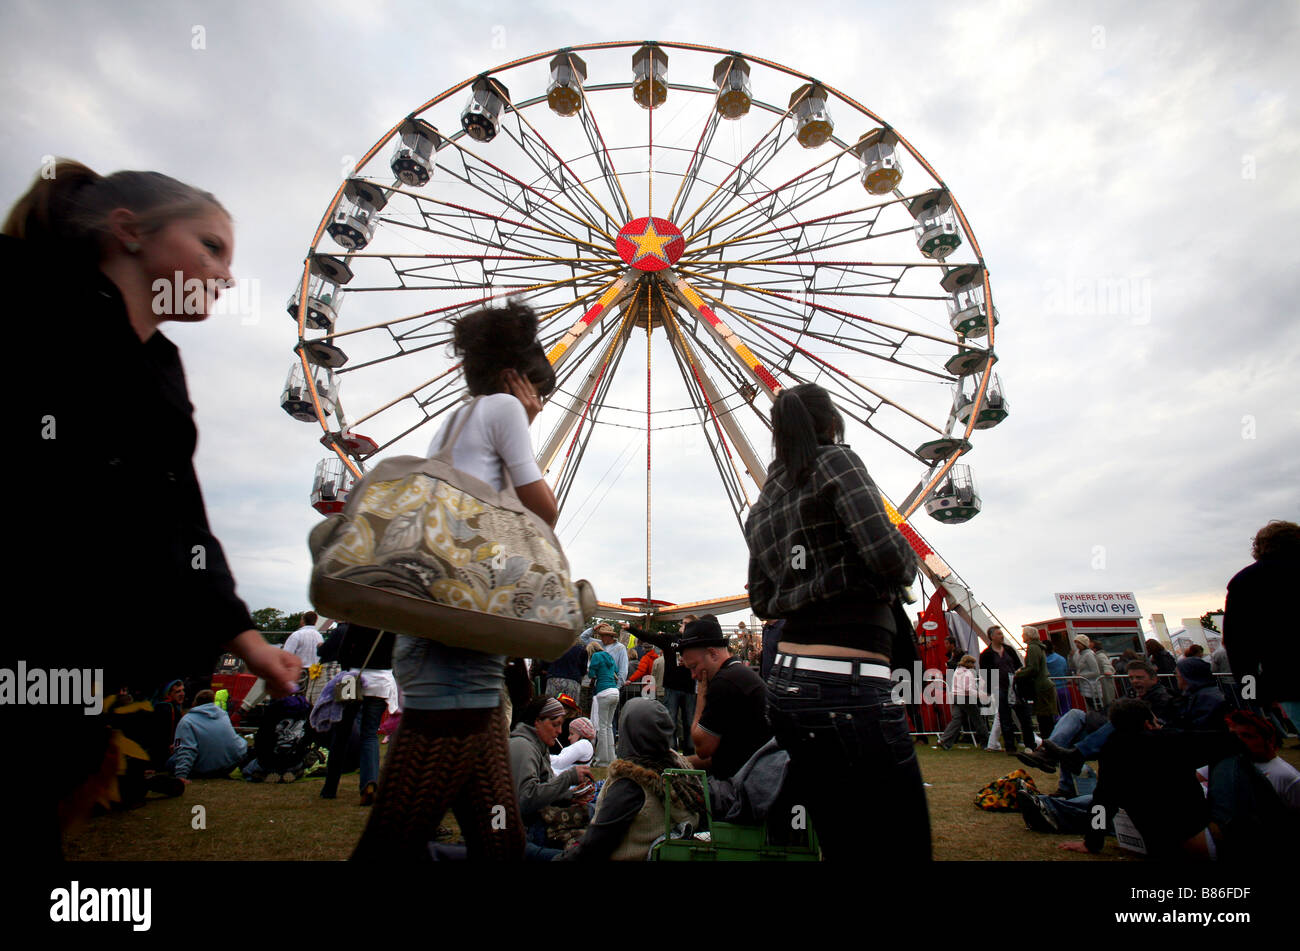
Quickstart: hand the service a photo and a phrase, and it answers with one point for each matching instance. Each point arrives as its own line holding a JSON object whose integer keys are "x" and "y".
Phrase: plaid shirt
{"x": 827, "y": 536}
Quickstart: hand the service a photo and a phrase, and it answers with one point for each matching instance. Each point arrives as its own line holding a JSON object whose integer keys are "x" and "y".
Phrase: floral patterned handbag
{"x": 424, "y": 549}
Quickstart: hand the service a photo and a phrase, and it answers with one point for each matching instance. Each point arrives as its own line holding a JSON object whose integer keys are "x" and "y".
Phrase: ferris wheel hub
{"x": 650, "y": 244}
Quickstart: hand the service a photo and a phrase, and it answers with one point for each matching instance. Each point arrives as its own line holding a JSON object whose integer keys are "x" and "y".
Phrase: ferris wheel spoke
{"x": 751, "y": 237}
{"x": 470, "y": 214}
{"x": 447, "y": 212}
{"x": 695, "y": 165}
{"x": 461, "y": 305}
{"x": 778, "y": 203}
{"x": 831, "y": 367}
{"x": 763, "y": 204}
{"x": 603, "y": 155}
{"x": 821, "y": 307}
{"x": 604, "y": 161}
{"x": 557, "y": 174}
{"x": 594, "y": 402}
{"x": 747, "y": 206}
{"x": 409, "y": 394}
{"x": 827, "y": 242}
{"x": 772, "y": 299}
{"x": 524, "y": 205}
{"x": 714, "y": 437}
{"x": 772, "y": 131}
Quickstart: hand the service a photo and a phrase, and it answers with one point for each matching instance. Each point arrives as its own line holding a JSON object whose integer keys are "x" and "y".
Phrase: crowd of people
{"x": 513, "y": 752}
{"x": 1186, "y": 747}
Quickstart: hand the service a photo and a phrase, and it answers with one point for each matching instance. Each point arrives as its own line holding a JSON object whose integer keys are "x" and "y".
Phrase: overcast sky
{"x": 1129, "y": 170}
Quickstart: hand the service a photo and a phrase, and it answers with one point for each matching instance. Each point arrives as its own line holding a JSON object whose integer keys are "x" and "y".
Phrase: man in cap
{"x": 731, "y": 709}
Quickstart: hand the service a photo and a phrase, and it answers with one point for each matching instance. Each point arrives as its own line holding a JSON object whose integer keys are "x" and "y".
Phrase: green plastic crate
{"x": 731, "y": 842}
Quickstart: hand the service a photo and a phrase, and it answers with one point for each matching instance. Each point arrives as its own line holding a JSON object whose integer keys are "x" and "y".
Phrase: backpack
{"x": 282, "y": 739}
{"x": 1000, "y": 795}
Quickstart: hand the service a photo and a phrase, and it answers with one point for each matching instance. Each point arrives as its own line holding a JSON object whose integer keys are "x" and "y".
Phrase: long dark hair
{"x": 68, "y": 211}
{"x": 496, "y": 339}
{"x": 803, "y": 418}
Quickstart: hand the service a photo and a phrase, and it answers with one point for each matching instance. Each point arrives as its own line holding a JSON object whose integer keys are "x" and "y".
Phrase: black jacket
{"x": 1257, "y": 638}
{"x": 359, "y": 642}
{"x": 1151, "y": 775}
{"x": 115, "y": 521}
{"x": 1006, "y": 666}
{"x": 676, "y": 676}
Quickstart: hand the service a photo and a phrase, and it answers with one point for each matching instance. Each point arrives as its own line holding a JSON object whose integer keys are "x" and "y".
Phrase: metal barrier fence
{"x": 1073, "y": 693}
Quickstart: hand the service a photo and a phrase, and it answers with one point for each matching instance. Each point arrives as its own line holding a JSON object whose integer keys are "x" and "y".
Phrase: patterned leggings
{"x": 440, "y": 760}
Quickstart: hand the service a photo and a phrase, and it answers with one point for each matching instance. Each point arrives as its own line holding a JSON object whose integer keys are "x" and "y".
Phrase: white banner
{"x": 1098, "y": 604}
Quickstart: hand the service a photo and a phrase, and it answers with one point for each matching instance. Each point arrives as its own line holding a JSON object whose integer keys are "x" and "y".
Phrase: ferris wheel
{"x": 696, "y": 228}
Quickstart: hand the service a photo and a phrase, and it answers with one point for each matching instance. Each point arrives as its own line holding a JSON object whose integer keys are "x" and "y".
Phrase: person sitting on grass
{"x": 580, "y": 749}
{"x": 1150, "y": 773}
{"x": 206, "y": 744}
{"x": 1254, "y": 796}
{"x": 630, "y": 808}
{"x": 1080, "y": 735}
{"x": 536, "y": 785}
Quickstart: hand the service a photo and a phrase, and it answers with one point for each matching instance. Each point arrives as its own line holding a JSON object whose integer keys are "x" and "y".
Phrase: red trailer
{"x": 1116, "y": 635}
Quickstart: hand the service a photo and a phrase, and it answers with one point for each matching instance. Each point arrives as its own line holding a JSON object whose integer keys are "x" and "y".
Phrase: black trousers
{"x": 852, "y": 765}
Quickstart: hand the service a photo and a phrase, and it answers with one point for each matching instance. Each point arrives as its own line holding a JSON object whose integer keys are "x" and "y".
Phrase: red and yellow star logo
{"x": 650, "y": 244}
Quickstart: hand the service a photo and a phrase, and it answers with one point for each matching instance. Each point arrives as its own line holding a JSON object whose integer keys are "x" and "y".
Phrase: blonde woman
{"x": 93, "y": 267}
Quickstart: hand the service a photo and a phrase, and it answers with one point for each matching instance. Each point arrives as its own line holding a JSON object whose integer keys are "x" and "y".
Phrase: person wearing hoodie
{"x": 630, "y": 808}
{"x": 1202, "y": 705}
{"x": 536, "y": 785}
{"x": 206, "y": 744}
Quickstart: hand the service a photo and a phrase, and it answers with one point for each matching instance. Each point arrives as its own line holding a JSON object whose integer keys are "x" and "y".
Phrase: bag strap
{"x": 372, "y": 651}
{"x": 454, "y": 427}
{"x": 444, "y": 453}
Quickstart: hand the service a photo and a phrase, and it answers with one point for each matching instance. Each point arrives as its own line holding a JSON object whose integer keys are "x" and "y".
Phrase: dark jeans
{"x": 683, "y": 702}
{"x": 372, "y": 712}
{"x": 852, "y": 763}
{"x": 1024, "y": 714}
{"x": 966, "y": 718}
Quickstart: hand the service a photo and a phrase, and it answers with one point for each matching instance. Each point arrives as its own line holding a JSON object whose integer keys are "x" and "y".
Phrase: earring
{"x": 132, "y": 247}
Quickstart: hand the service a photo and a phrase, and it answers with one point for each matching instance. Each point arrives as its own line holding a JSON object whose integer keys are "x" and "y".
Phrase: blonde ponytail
{"x": 70, "y": 209}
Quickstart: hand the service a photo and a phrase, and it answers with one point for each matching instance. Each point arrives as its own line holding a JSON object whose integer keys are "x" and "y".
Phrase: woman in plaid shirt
{"x": 824, "y": 556}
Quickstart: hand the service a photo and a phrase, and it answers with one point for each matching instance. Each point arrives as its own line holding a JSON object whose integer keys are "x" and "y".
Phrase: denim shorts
{"x": 434, "y": 676}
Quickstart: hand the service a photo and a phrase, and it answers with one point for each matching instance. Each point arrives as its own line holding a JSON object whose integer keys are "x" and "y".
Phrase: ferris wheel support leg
{"x": 757, "y": 470}
{"x": 577, "y": 408}
{"x": 961, "y": 601}
{"x": 584, "y": 324}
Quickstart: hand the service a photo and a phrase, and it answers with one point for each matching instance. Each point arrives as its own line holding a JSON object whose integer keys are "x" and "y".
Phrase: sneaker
{"x": 328, "y": 795}
{"x": 287, "y": 777}
{"x": 368, "y": 794}
{"x": 1067, "y": 756}
{"x": 1037, "y": 760}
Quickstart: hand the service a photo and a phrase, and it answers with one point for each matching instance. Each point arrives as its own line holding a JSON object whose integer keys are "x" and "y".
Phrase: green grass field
{"x": 260, "y": 821}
